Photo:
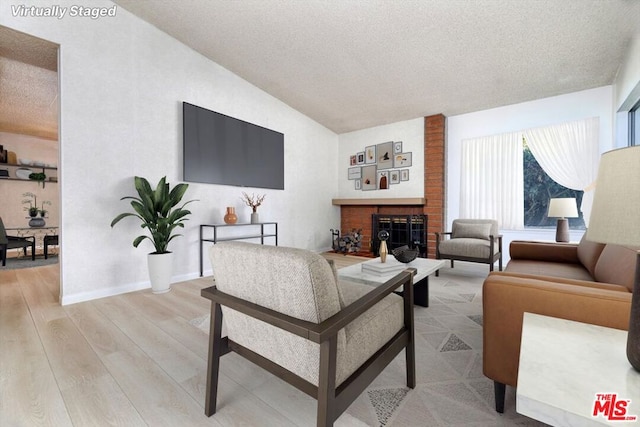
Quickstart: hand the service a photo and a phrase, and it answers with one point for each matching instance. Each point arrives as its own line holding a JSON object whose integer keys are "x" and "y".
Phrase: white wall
{"x": 410, "y": 132}
{"x": 122, "y": 85}
{"x": 543, "y": 112}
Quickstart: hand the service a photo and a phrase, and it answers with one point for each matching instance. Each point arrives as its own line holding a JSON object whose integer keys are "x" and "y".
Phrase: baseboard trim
{"x": 131, "y": 287}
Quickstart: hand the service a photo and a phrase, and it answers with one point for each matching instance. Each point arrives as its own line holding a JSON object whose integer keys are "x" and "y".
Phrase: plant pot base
{"x": 160, "y": 266}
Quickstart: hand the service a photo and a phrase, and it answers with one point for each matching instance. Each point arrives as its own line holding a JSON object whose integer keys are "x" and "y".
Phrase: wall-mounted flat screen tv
{"x": 219, "y": 149}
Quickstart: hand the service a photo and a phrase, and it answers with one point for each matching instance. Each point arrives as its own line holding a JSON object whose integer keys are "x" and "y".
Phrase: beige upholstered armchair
{"x": 475, "y": 240}
{"x": 285, "y": 310}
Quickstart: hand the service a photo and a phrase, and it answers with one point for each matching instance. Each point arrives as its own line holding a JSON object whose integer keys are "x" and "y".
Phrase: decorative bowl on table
{"x": 405, "y": 254}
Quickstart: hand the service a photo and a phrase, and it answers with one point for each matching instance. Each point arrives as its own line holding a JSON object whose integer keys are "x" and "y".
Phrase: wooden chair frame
{"x": 332, "y": 400}
{"x": 493, "y": 257}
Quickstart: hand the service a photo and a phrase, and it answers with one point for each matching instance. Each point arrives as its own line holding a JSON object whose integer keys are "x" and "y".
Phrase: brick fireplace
{"x": 357, "y": 213}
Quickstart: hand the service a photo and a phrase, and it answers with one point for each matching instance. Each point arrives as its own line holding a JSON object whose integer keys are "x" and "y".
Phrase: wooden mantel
{"x": 380, "y": 202}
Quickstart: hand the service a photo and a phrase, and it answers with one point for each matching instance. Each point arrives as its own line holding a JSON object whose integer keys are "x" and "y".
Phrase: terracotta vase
{"x": 231, "y": 217}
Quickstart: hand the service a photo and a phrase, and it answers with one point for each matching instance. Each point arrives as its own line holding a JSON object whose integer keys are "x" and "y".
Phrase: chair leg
{"x": 491, "y": 266}
{"x": 3, "y": 254}
{"x": 327, "y": 382}
{"x": 500, "y": 263}
{"x": 46, "y": 250}
{"x": 213, "y": 366}
{"x": 499, "y": 391}
{"x": 451, "y": 263}
{"x": 33, "y": 251}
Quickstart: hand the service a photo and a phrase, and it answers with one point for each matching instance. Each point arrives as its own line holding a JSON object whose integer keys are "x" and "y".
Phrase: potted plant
{"x": 159, "y": 213}
{"x": 33, "y": 205}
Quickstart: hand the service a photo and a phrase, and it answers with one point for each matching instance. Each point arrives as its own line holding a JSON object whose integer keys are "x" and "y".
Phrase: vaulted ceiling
{"x": 353, "y": 64}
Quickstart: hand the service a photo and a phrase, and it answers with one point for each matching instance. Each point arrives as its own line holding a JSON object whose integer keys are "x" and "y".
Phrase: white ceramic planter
{"x": 160, "y": 268}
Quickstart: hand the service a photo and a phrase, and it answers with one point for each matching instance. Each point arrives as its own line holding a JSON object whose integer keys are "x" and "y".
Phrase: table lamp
{"x": 562, "y": 209}
{"x": 615, "y": 218}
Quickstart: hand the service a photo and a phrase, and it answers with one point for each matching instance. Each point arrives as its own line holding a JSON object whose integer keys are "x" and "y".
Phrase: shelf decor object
{"x": 614, "y": 219}
{"x": 231, "y": 217}
{"x": 383, "y": 235}
{"x": 562, "y": 209}
{"x": 253, "y": 202}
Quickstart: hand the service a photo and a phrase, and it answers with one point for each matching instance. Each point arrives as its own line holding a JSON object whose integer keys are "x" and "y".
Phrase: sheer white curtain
{"x": 492, "y": 179}
{"x": 569, "y": 154}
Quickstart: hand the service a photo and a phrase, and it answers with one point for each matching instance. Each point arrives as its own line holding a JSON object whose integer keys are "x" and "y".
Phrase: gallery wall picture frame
{"x": 404, "y": 174}
{"x": 369, "y": 178}
{"x": 360, "y": 158}
{"x": 370, "y": 154}
{"x": 397, "y": 147}
{"x": 384, "y": 154}
{"x": 402, "y": 160}
{"x": 394, "y": 177}
{"x": 358, "y": 184}
{"x": 383, "y": 180}
{"x": 352, "y": 160}
{"x": 355, "y": 173}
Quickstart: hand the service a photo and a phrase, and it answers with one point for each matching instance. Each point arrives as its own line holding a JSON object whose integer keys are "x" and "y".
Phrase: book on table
{"x": 381, "y": 269}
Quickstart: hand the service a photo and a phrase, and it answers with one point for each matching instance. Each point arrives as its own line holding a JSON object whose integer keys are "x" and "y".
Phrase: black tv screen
{"x": 219, "y": 149}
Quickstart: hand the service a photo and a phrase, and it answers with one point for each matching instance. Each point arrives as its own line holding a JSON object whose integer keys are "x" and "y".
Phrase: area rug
{"x": 451, "y": 389}
{"x": 26, "y": 262}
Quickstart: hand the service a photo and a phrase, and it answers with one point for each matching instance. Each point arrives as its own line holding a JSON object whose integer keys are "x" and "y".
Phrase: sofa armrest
{"x": 544, "y": 251}
{"x": 505, "y": 298}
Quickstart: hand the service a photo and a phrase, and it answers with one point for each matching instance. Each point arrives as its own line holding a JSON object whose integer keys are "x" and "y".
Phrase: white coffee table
{"x": 424, "y": 266}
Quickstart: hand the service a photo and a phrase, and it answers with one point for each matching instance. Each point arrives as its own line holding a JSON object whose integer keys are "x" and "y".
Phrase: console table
{"x": 565, "y": 366}
{"x": 251, "y": 233}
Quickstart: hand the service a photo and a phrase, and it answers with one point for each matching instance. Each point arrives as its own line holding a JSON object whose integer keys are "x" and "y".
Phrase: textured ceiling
{"x": 352, "y": 64}
{"x": 28, "y": 85}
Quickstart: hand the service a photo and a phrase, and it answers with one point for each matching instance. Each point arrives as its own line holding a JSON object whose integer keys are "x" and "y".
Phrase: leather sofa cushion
{"x": 588, "y": 254}
{"x": 548, "y": 268}
{"x": 617, "y": 264}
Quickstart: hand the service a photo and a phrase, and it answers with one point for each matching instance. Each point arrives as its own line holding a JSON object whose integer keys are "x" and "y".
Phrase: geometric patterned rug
{"x": 451, "y": 389}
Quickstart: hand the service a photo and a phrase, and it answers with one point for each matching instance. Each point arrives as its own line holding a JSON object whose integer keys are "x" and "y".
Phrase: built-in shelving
{"x": 13, "y": 167}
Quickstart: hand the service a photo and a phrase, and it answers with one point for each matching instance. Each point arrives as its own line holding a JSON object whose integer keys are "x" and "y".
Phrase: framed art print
{"x": 397, "y": 147}
{"x": 369, "y": 178}
{"x": 383, "y": 180}
{"x": 384, "y": 154}
{"x": 358, "y": 184}
{"x": 352, "y": 160}
{"x": 355, "y": 173}
{"x": 401, "y": 160}
{"x": 370, "y": 154}
{"x": 360, "y": 158}
{"x": 404, "y": 174}
{"x": 394, "y": 177}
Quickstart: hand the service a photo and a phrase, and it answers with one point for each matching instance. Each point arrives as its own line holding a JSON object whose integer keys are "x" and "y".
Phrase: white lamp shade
{"x": 563, "y": 208}
{"x": 615, "y": 216}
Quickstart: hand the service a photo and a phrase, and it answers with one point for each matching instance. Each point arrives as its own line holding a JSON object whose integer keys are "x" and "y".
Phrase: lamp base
{"x": 562, "y": 230}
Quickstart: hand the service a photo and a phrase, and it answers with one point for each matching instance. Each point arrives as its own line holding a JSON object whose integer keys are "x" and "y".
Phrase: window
{"x": 538, "y": 189}
{"x": 634, "y": 124}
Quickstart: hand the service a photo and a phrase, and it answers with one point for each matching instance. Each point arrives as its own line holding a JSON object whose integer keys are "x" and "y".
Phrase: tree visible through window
{"x": 539, "y": 188}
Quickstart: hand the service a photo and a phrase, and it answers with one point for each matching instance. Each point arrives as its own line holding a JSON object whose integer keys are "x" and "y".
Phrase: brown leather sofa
{"x": 586, "y": 282}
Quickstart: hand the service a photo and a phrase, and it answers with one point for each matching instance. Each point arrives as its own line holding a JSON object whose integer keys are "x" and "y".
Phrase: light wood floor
{"x": 130, "y": 360}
